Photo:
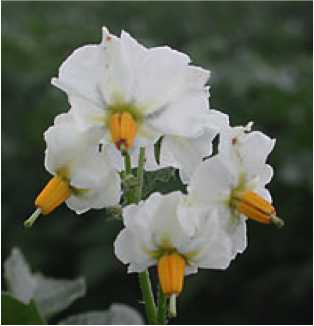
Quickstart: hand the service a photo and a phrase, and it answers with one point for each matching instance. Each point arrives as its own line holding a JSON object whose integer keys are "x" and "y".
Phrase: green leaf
{"x": 51, "y": 295}
{"x": 15, "y": 312}
{"x": 118, "y": 314}
{"x": 154, "y": 179}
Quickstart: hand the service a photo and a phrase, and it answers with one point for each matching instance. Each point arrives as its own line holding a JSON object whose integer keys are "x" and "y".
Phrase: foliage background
{"x": 260, "y": 54}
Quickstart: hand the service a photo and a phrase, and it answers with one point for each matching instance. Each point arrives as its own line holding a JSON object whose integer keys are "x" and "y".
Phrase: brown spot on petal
{"x": 108, "y": 38}
{"x": 234, "y": 140}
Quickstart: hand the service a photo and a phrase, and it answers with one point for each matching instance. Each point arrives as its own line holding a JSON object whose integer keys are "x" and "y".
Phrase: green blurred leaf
{"x": 154, "y": 179}
{"x": 15, "y": 312}
{"x": 51, "y": 295}
{"x": 118, "y": 314}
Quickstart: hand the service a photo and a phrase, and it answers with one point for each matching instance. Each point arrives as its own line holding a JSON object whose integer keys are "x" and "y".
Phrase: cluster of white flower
{"x": 124, "y": 96}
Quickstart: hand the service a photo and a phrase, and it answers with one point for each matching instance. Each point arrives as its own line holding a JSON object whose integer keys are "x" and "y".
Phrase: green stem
{"x": 140, "y": 173}
{"x": 146, "y": 287}
{"x": 128, "y": 171}
{"x": 127, "y": 163}
{"x": 162, "y": 307}
{"x": 148, "y": 298}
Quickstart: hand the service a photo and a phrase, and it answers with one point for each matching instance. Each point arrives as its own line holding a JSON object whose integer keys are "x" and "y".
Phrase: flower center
{"x": 256, "y": 208}
{"x": 123, "y": 129}
{"x": 54, "y": 194}
{"x": 171, "y": 273}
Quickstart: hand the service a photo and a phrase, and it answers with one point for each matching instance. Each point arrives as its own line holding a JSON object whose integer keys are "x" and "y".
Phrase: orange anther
{"x": 171, "y": 273}
{"x": 54, "y": 194}
{"x": 255, "y": 207}
{"x": 123, "y": 129}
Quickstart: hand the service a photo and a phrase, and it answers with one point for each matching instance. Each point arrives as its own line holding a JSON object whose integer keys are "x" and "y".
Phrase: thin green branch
{"x": 140, "y": 173}
{"x": 148, "y": 298}
{"x": 162, "y": 307}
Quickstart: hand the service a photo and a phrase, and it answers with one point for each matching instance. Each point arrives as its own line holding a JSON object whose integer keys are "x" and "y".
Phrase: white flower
{"x": 83, "y": 175}
{"x": 153, "y": 231}
{"x": 231, "y": 185}
{"x": 129, "y": 91}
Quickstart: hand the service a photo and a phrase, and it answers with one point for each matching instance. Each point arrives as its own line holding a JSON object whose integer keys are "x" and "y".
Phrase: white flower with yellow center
{"x": 153, "y": 235}
{"x": 231, "y": 185}
{"x": 82, "y": 175}
{"x": 134, "y": 94}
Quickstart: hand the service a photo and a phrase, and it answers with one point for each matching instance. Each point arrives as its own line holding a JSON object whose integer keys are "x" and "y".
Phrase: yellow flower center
{"x": 54, "y": 194}
{"x": 123, "y": 129}
{"x": 171, "y": 273}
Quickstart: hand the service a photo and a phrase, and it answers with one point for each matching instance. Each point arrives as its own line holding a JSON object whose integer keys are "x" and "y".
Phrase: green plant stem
{"x": 146, "y": 287}
{"x": 127, "y": 163}
{"x": 148, "y": 298}
{"x": 128, "y": 171}
{"x": 140, "y": 173}
{"x": 162, "y": 307}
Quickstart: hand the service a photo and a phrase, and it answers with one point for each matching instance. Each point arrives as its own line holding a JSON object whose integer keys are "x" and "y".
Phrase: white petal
{"x": 157, "y": 220}
{"x": 197, "y": 77}
{"x": 217, "y": 121}
{"x": 256, "y": 147}
{"x": 61, "y": 140}
{"x": 212, "y": 180}
{"x": 128, "y": 249}
{"x": 82, "y": 75}
{"x": 185, "y": 116}
{"x": 235, "y": 229}
{"x": 88, "y": 115}
{"x": 192, "y": 214}
{"x": 217, "y": 253}
{"x": 117, "y": 69}
{"x": 186, "y": 153}
{"x": 245, "y": 151}
{"x": 159, "y": 72}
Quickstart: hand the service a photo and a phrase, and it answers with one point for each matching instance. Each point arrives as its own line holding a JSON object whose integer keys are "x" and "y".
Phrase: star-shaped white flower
{"x": 153, "y": 235}
{"x": 231, "y": 185}
{"x": 83, "y": 176}
{"x": 133, "y": 94}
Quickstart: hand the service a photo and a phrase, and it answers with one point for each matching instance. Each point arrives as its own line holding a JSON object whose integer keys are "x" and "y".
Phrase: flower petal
{"x": 212, "y": 180}
{"x": 185, "y": 116}
{"x": 128, "y": 249}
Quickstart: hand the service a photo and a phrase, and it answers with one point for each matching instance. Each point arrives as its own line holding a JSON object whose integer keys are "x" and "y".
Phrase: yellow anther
{"x": 257, "y": 208}
{"x": 123, "y": 129}
{"x": 171, "y": 273}
{"x": 115, "y": 128}
{"x": 54, "y": 194}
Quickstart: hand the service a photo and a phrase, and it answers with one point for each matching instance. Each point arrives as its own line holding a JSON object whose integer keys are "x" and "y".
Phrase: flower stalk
{"x": 134, "y": 197}
{"x": 162, "y": 307}
{"x": 146, "y": 288}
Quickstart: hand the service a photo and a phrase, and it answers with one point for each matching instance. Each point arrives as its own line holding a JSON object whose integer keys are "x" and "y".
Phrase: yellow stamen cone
{"x": 171, "y": 273}
{"x": 257, "y": 208}
{"x": 132, "y": 134}
{"x": 54, "y": 194}
{"x": 123, "y": 130}
{"x": 115, "y": 128}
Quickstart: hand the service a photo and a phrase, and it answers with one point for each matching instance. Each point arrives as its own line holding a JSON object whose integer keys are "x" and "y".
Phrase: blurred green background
{"x": 260, "y": 55}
